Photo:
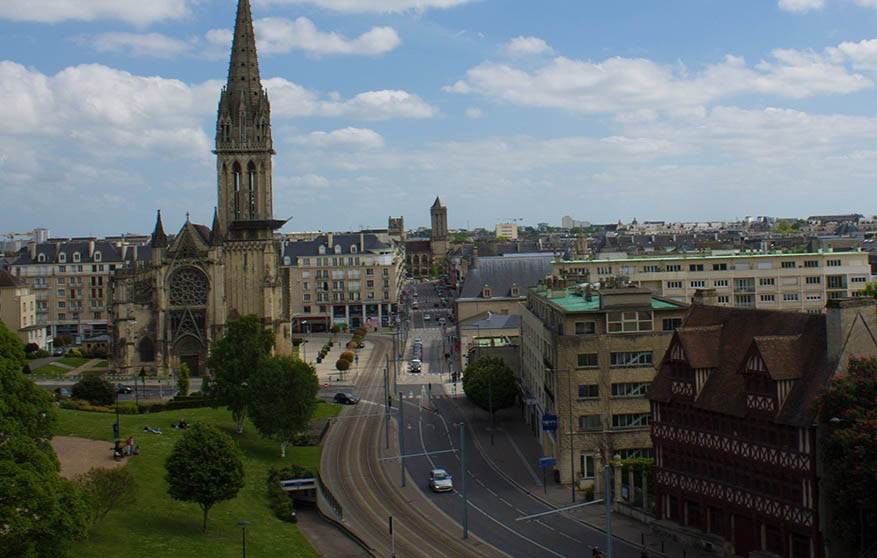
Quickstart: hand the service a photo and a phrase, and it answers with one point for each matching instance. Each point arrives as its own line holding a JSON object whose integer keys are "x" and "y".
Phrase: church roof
{"x": 437, "y": 203}
{"x": 243, "y": 66}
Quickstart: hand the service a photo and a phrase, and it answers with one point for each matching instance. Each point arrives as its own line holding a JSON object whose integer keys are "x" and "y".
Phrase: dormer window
{"x": 515, "y": 290}
{"x": 76, "y": 257}
{"x": 62, "y": 257}
{"x": 353, "y": 248}
{"x": 287, "y": 260}
{"x": 322, "y": 249}
{"x": 486, "y": 291}
{"x": 97, "y": 256}
{"x": 41, "y": 258}
{"x": 760, "y": 388}
{"x": 337, "y": 248}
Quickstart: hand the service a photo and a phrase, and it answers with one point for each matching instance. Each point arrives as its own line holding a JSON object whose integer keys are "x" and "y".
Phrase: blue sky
{"x": 506, "y": 109}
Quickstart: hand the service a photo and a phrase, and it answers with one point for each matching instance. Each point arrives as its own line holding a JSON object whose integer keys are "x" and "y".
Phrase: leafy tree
{"x": 849, "y": 448}
{"x": 25, "y": 408}
{"x": 31, "y": 348}
{"x": 95, "y": 390}
{"x": 342, "y": 364}
{"x": 869, "y": 290}
{"x": 284, "y": 399}
{"x": 242, "y": 351}
{"x": 183, "y": 379}
{"x": 108, "y": 489}
{"x": 42, "y": 512}
{"x": 205, "y": 467}
{"x": 486, "y": 375}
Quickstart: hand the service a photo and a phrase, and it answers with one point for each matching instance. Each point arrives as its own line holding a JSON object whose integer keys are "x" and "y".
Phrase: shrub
{"x": 95, "y": 390}
{"x": 342, "y": 364}
{"x": 296, "y": 341}
{"x": 76, "y": 353}
{"x": 279, "y": 501}
{"x": 349, "y": 356}
{"x": 31, "y": 348}
{"x": 26, "y": 368}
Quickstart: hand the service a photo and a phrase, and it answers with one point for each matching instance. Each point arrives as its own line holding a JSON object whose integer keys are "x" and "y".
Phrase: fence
{"x": 329, "y": 498}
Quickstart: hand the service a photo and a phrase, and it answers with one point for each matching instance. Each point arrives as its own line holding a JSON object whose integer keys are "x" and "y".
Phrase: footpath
{"x": 515, "y": 455}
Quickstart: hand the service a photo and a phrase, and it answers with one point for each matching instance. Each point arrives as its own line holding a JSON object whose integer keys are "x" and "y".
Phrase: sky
{"x": 506, "y": 109}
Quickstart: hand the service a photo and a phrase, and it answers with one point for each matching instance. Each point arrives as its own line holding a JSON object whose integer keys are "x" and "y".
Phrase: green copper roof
{"x": 575, "y": 303}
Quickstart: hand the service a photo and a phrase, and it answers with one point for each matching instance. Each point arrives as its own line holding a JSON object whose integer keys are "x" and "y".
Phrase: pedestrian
{"x": 129, "y": 445}
{"x": 644, "y": 553}
{"x": 115, "y": 430}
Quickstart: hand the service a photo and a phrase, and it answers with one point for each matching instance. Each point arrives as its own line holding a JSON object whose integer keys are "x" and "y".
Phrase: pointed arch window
{"x": 236, "y": 195}
{"x": 251, "y": 173}
{"x": 41, "y": 258}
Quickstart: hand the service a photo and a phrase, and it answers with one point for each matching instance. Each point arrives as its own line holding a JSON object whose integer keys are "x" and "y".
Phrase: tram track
{"x": 369, "y": 490}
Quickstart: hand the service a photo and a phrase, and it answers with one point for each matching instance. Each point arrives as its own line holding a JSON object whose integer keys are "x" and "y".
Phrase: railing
{"x": 330, "y": 498}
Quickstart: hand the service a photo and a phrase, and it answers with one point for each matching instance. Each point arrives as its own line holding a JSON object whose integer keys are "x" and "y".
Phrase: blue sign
{"x": 549, "y": 422}
{"x": 545, "y": 462}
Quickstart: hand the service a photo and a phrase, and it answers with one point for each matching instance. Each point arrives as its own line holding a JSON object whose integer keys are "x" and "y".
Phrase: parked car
{"x": 426, "y": 317}
{"x": 58, "y": 352}
{"x": 124, "y": 389}
{"x": 346, "y": 398}
{"x": 440, "y": 481}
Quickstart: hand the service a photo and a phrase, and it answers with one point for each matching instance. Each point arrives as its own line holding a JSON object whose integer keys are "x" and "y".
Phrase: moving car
{"x": 124, "y": 389}
{"x": 426, "y": 317}
{"x": 416, "y": 366}
{"x": 440, "y": 481}
{"x": 345, "y": 398}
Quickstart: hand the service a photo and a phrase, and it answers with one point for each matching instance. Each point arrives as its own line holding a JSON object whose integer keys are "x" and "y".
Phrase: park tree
{"x": 849, "y": 449}
{"x": 42, "y": 513}
{"x": 108, "y": 489}
{"x": 869, "y": 290}
{"x": 490, "y": 380}
{"x": 205, "y": 467}
{"x": 95, "y": 390}
{"x": 284, "y": 398}
{"x": 183, "y": 379}
{"x": 238, "y": 354}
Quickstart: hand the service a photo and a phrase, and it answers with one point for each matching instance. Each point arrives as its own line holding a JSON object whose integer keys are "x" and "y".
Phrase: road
{"x": 430, "y": 524}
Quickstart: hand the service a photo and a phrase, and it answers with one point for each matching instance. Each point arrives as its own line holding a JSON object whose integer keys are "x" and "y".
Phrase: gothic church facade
{"x": 168, "y": 308}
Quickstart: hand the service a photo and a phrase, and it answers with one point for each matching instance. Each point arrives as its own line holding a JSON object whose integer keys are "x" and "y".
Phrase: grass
{"x": 102, "y": 364}
{"x": 73, "y": 361}
{"x": 157, "y": 525}
{"x": 51, "y": 371}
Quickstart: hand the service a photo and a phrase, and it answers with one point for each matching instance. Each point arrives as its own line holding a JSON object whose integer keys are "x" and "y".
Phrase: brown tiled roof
{"x": 782, "y": 355}
{"x": 7, "y": 280}
{"x": 792, "y": 344}
{"x": 701, "y": 345}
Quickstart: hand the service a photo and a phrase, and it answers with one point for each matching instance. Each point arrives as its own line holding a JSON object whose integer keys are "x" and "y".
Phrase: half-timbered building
{"x": 734, "y": 428}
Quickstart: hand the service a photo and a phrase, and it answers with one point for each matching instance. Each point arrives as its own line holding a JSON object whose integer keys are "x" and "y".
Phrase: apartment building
{"x": 349, "y": 278}
{"x": 800, "y": 282}
{"x": 509, "y": 231}
{"x": 587, "y": 359}
{"x": 69, "y": 279}
{"x": 18, "y": 311}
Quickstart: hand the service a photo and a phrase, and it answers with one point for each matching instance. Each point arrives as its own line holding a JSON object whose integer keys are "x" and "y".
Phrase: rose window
{"x": 188, "y": 288}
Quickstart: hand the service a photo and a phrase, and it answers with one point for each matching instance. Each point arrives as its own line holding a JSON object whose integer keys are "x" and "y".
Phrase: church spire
{"x": 243, "y": 67}
{"x": 216, "y": 236}
{"x": 159, "y": 239}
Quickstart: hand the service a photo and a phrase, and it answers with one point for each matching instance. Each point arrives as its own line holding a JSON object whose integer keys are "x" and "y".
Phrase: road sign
{"x": 549, "y": 422}
{"x": 546, "y": 462}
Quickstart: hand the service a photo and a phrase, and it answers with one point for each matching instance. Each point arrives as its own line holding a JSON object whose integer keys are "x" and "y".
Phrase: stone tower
{"x": 244, "y": 222}
{"x": 439, "y": 240}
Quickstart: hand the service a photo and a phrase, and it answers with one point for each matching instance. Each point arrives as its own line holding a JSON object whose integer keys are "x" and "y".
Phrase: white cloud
{"x": 800, "y": 6}
{"x": 135, "y": 44}
{"x": 283, "y": 35}
{"x": 862, "y": 55}
{"x": 528, "y": 45}
{"x": 305, "y": 181}
{"x": 474, "y": 113}
{"x": 290, "y": 100}
{"x": 359, "y": 138}
{"x": 131, "y": 11}
{"x": 379, "y": 6}
{"x": 633, "y": 84}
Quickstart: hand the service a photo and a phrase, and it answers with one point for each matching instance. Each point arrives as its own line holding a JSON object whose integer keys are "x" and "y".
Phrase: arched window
{"x": 322, "y": 249}
{"x": 251, "y": 172}
{"x": 146, "y": 350}
{"x": 353, "y": 248}
{"x": 41, "y": 258}
{"x": 287, "y": 260}
{"x": 337, "y": 248}
{"x": 62, "y": 257}
{"x": 236, "y": 195}
{"x": 76, "y": 257}
{"x": 97, "y": 256}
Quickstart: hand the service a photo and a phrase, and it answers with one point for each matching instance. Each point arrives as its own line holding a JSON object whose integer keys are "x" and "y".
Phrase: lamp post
{"x": 243, "y": 525}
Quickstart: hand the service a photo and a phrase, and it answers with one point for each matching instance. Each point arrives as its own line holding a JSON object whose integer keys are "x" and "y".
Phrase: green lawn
{"x": 73, "y": 361}
{"x": 161, "y": 526}
{"x": 51, "y": 371}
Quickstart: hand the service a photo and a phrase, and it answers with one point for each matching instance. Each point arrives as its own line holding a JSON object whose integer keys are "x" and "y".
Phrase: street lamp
{"x": 243, "y": 525}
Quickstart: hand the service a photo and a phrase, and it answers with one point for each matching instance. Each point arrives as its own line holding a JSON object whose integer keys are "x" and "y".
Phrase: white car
{"x": 426, "y": 317}
{"x": 440, "y": 481}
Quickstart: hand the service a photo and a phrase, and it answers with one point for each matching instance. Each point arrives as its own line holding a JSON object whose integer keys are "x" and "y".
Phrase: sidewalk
{"x": 82, "y": 368}
{"x": 515, "y": 454}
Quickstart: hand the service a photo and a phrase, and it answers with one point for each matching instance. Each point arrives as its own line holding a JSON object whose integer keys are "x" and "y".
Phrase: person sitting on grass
{"x": 148, "y": 428}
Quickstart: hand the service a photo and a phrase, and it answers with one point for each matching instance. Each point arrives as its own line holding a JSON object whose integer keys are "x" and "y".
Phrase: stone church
{"x": 172, "y": 305}
{"x": 421, "y": 256}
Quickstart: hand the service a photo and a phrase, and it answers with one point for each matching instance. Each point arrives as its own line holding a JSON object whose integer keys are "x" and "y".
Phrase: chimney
{"x": 704, "y": 297}
{"x": 361, "y": 242}
{"x": 329, "y": 239}
{"x": 840, "y": 315}
{"x": 32, "y": 248}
